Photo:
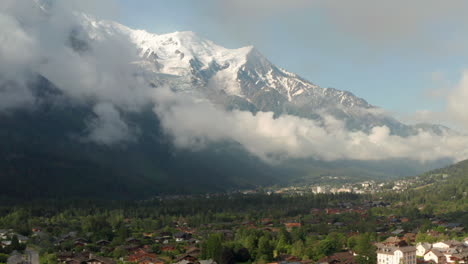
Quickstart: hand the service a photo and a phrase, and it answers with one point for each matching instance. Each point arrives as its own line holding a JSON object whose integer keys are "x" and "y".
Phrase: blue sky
{"x": 395, "y": 55}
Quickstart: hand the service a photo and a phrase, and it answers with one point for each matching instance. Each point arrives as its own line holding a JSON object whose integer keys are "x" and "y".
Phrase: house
{"x": 459, "y": 258}
{"x": 447, "y": 244}
{"x": 148, "y": 235}
{"x": 187, "y": 257}
{"x": 132, "y": 240}
{"x": 290, "y": 226}
{"x": 166, "y": 234}
{"x": 80, "y": 242}
{"x": 142, "y": 255}
{"x": 151, "y": 261}
{"x": 102, "y": 243}
{"x": 167, "y": 248}
{"x": 207, "y": 261}
{"x": 267, "y": 222}
{"x": 395, "y": 242}
{"x": 83, "y": 257}
{"x": 422, "y": 249}
{"x": 193, "y": 252}
{"x": 182, "y": 236}
{"x": 4, "y": 233}
{"x": 162, "y": 240}
{"x": 398, "y": 231}
{"x": 341, "y": 257}
{"x": 100, "y": 260}
{"x": 5, "y": 243}
{"x": 447, "y": 252}
{"x": 193, "y": 241}
{"x": 389, "y": 254}
{"x": 434, "y": 255}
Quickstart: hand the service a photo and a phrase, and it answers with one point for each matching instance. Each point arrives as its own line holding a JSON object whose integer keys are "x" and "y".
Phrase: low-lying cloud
{"x": 103, "y": 72}
{"x": 194, "y": 124}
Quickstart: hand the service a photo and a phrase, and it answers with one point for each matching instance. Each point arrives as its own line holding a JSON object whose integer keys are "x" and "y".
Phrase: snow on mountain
{"x": 240, "y": 78}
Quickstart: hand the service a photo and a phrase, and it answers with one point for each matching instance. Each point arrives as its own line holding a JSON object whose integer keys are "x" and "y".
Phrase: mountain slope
{"x": 44, "y": 154}
{"x": 442, "y": 191}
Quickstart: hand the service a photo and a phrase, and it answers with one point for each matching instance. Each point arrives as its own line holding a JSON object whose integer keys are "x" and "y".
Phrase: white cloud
{"x": 457, "y": 102}
{"x": 108, "y": 127}
{"x": 194, "y": 123}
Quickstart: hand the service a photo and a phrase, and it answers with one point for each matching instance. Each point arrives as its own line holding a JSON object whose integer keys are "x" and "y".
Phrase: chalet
{"x": 182, "y": 236}
{"x": 193, "y": 251}
{"x": 166, "y": 234}
{"x": 267, "y": 222}
{"x": 100, "y": 260}
{"x": 131, "y": 247}
{"x": 193, "y": 241}
{"x": 167, "y": 248}
{"x": 422, "y": 249}
{"x": 288, "y": 258}
{"x": 64, "y": 256}
{"x": 389, "y": 254}
{"x": 132, "y": 240}
{"x": 207, "y": 261}
{"x": 290, "y": 226}
{"x": 447, "y": 244}
{"x": 80, "y": 242}
{"x": 394, "y": 242}
{"x": 434, "y": 255}
{"x": 4, "y": 233}
{"x": 151, "y": 261}
{"x": 186, "y": 257}
{"x": 398, "y": 231}
{"x": 332, "y": 211}
{"x": 315, "y": 211}
{"x": 141, "y": 255}
{"x": 162, "y": 240}
{"x": 342, "y": 257}
{"x": 5, "y": 243}
{"x": 102, "y": 243}
{"x": 458, "y": 258}
{"x": 83, "y": 257}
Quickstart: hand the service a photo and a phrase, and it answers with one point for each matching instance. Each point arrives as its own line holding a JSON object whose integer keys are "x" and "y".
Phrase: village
{"x": 409, "y": 238}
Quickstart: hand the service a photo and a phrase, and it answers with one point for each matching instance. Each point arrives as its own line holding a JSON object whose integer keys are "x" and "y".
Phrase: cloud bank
{"x": 101, "y": 70}
{"x": 194, "y": 124}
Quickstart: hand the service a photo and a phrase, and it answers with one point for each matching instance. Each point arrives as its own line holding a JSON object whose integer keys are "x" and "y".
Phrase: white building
{"x": 422, "y": 249}
{"x": 435, "y": 256}
{"x": 395, "y": 255}
{"x": 447, "y": 252}
{"x": 447, "y": 244}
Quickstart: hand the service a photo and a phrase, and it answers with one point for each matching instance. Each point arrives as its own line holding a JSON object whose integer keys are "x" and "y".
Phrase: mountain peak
{"x": 200, "y": 65}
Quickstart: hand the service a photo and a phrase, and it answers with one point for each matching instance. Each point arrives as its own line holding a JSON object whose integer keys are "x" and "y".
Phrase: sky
{"x": 399, "y": 56}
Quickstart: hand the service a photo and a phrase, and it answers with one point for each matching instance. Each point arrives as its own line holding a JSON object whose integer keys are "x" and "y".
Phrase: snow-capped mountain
{"x": 240, "y": 78}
